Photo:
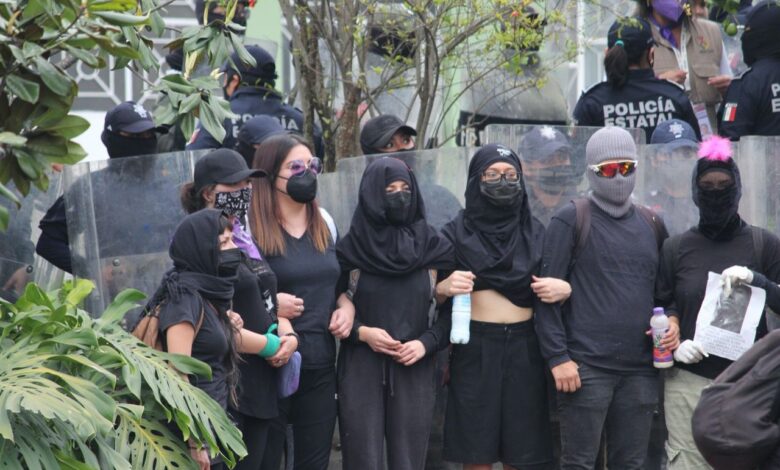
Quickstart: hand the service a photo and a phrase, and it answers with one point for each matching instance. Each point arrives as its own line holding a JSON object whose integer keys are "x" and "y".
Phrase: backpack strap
{"x": 354, "y": 277}
{"x": 581, "y": 228}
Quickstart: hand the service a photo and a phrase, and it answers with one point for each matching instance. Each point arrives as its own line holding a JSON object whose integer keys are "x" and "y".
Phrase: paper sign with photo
{"x": 726, "y": 325}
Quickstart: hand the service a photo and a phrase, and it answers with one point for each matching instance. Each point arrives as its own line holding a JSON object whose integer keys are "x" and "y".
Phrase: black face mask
{"x": 302, "y": 188}
{"x": 717, "y": 206}
{"x": 119, "y": 146}
{"x": 234, "y": 202}
{"x": 228, "y": 262}
{"x": 501, "y": 193}
{"x": 397, "y": 206}
{"x": 557, "y": 179}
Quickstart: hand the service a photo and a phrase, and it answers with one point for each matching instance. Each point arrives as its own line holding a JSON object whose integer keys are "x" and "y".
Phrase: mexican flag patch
{"x": 729, "y": 112}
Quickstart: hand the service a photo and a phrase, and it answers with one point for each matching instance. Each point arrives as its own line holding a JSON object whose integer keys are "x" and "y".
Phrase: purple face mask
{"x": 672, "y": 10}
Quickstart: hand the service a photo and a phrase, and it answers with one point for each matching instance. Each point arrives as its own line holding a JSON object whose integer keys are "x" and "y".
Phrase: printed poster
{"x": 726, "y": 325}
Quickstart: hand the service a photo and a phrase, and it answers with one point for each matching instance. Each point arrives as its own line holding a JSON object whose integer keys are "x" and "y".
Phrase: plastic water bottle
{"x": 659, "y": 322}
{"x": 461, "y": 316}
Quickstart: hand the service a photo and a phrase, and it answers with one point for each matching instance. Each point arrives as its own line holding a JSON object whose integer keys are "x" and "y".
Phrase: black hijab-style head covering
{"x": 195, "y": 254}
{"x": 374, "y": 244}
{"x": 502, "y": 246}
{"x": 759, "y": 41}
{"x": 718, "y": 217}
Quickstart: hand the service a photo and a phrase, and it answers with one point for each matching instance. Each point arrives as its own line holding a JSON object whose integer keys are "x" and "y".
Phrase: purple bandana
{"x": 243, "y": 240}
{"x": 672, "y": 10}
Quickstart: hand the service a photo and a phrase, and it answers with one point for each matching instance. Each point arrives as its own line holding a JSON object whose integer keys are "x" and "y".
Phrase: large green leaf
{"x": 21, "y": 87}
{"x": 209, "y": 112}
{"x": 57, "y": 81}
{"x": 122, "y": 19}
{"x": 14, "y": 140}
{"x": 150, "y": 444}
{"x": 70, "y": 126}
{"x": 123, "y": 303}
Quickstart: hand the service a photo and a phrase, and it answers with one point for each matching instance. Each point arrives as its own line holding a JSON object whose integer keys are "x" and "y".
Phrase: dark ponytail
{"x": 192, "y": 198}
{"x": 616, "y": 66}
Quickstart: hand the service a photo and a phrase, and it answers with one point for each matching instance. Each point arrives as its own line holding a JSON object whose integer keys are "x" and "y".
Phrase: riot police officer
{"x": 632, "y": 97}
{"x": 251, "y": 93}
{"x": 752, "y": 104}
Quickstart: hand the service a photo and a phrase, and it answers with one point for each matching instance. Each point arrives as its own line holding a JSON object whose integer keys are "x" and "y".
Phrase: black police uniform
{"x": 643, "y": 102}
{"x": 248, "y": 102}
{"x": 752, "y": 104}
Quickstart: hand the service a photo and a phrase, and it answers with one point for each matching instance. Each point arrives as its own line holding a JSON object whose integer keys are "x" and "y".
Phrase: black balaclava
{"x": 718, "y": 209}
{"x": 119, "y": 146}
{"x": 392, "y": 248}
{"x": 760, "y": 39}
{"x": 501, "y": 245}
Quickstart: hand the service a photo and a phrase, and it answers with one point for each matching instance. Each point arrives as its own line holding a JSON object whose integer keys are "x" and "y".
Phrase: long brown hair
{"x": 265, "y": 216}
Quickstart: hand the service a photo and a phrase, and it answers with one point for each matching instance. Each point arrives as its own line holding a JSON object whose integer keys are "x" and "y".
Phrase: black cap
{"x": 259, "y": 128}
{"x": 378, "y": 131}
{"x": 223, "y": 166}
{"x": 542, "y": 142}
{"x": 633, "y": 34}
{"x": 130, "y": 117}
{"x": 263, "y": 72}
{"x": 674, "y": 133}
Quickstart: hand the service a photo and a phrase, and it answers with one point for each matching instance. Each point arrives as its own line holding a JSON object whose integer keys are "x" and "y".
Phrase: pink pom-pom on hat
{"x": 716, "y": 148}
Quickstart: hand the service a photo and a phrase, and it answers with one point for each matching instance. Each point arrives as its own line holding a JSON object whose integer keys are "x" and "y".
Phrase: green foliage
{"x": 78, "y": 392}
{"x": 40, "y": 39}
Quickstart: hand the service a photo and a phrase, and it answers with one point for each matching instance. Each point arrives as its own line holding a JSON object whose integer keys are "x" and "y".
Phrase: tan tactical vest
{"x": 704, "y": 50}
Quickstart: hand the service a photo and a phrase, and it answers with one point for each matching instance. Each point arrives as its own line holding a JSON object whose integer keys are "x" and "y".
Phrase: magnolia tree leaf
{"x": 24, "y": 89}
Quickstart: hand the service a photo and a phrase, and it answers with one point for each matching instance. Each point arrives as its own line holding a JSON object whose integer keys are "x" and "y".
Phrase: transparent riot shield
{"x": 19, "y": 264}
{"x": 664, "y": 184}
{"x": 121, "y": 216}
{"x": 553, "y": 159}
{"x": 441, "y": 174}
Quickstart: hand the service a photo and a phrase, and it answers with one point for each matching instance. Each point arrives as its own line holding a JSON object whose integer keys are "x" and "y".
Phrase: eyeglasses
{"x": 609, "y": 170}
{"x": 297, "y": 167}
{"x": 492, "y": 176}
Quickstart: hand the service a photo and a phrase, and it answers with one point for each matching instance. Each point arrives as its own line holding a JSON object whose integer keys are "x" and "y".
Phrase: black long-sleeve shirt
{"x": 681, "y": 292}
{"x": 604, "y": 321}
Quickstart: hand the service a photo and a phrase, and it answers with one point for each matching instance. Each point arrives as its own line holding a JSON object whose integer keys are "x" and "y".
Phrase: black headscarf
{"x": 502, "y": 246}
{"x": 759, "y": 41}
{"x": 375, "y": 245}
{"x": 718, "y": 217}
{"x": 195, "y": 254}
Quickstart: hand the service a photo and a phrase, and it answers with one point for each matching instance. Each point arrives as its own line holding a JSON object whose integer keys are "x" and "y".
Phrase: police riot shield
{"x": 553, "y": 159}
{"x": 122, "y": 214}
{"x": 19, "y": 264}
{"x": 441, "y": 174}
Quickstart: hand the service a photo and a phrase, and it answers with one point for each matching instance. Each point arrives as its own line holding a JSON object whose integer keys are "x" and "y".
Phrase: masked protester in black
{"x": 721, "y": 242}
{"x": 195, "y": 309}
{"x": 391, "y": 251}
{"x": 223, "y": 181}
{"x": 497, "y": 385}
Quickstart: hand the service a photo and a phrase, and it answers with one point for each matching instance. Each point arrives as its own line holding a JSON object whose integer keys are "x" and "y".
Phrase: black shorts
{"x": 497, "y": 400}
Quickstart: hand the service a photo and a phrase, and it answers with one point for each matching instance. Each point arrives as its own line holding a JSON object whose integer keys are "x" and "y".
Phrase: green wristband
{"x": 271, "y": 346}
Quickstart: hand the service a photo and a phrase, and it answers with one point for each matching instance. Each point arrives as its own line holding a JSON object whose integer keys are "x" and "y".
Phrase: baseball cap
{"x": 378, "y": 131}
{"x": 259, "y": 128}
{"x": 264, "y": 69}
{"x": 130, "y": 117}
{"x": 223, "y": 166}
{"x": 634, "y": 35}
{"x": 542, "y": 142}
{"x": 675, "y": 134}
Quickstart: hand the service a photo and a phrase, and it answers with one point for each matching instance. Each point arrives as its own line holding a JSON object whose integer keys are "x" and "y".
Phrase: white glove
{"x": 689, "y": 352}
{"x": 733, "y": 276}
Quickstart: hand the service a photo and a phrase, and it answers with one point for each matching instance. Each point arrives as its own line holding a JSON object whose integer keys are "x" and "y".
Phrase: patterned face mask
{"x": 235, "y": 203}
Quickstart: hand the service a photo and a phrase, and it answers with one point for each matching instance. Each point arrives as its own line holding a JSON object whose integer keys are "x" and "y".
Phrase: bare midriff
{"x": 491, "y": 307}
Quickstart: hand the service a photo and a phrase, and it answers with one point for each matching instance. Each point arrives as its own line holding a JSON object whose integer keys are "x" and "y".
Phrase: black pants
{"x": 381, "y": 402}
{"x": 311, "y": 411}
{"x": 255, "y": 432}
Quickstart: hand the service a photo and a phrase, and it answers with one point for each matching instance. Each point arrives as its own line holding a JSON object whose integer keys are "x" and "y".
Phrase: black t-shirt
{"x": 681, "y": 292}
{"x": 210, "y": 344}
{"x": 313, "y": 276}
{"x": 255, "y": 301}
{"x": 397, "y": 304}
{"x": 604, "y": 321}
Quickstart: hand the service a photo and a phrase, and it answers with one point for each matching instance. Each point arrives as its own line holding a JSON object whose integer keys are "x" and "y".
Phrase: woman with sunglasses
{"x": 632, "y": 97}
{"x": 497, "y": 400}
{"x": 195, "y": 318}
{"x": 595, "y": 343}
{"x": 224, "y": 181}
{"x": 721, "y": 242}
{"x": 299, "y": 244}
{"x": 386, "y": 366}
